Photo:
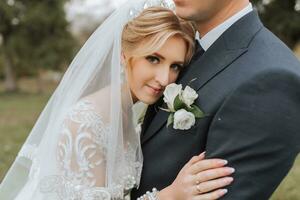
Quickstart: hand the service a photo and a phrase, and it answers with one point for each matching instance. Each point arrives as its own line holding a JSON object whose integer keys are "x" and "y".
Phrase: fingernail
{"x": 202, "y": 154}
{"x": 231, "y": 170}
{"x": 228, "y": 179}
{"x": 223, "y": 162}
{"x": 223, "y": 191}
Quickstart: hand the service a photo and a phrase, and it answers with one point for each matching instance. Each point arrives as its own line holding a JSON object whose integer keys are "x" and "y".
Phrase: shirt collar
{"x": 207, "y": 40}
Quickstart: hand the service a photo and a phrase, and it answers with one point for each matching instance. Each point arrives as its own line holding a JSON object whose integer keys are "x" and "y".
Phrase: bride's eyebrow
{"x": 163, "y": 58}
{"x": 160, "y": 56}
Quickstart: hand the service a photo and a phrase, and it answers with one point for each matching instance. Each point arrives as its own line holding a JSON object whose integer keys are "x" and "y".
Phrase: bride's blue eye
{"x": 153, "y": 59}
{"x": 177, "y": 67}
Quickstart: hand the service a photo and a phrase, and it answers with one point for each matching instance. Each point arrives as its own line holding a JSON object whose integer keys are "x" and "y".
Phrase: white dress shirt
{"x": 207, "y": 40}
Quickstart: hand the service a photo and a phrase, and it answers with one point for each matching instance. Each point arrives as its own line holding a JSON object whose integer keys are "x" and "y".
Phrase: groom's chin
{"x": 184, "y": 13}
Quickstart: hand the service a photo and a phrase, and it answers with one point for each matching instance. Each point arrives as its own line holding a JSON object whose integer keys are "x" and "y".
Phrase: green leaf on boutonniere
{"x": 170, "y": 119}
{"x": 196, "y": 111}
{"x": 178, "y": 104}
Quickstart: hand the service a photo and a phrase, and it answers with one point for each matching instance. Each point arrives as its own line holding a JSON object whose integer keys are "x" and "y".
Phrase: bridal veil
{"x": 84, "y": 145}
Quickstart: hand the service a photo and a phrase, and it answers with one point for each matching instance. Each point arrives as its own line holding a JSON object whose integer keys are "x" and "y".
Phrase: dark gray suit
{"x": 248, "y": 83}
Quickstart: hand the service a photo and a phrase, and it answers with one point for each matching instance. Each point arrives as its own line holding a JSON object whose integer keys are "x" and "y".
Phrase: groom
{"x": 248, "y": 84}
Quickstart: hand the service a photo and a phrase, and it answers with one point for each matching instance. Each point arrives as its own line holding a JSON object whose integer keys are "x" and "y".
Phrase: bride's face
{"x": 148, "y": 76}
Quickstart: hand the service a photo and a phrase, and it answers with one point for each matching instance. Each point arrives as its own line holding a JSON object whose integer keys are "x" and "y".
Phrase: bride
{"x": 84, "y": 145}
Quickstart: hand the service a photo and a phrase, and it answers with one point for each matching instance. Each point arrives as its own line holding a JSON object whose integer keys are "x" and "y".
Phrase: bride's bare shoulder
{"x": 101, "y": 101}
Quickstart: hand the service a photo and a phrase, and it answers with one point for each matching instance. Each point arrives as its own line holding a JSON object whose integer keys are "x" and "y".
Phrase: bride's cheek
{"x": 174, "y": 77}
{"x": 145, "y": 74}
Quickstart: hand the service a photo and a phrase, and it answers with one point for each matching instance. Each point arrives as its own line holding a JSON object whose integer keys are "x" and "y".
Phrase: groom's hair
{"x": 148, "y": 32}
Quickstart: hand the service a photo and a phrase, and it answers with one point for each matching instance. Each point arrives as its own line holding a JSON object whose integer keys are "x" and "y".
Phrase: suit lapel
{"x": 229, "y": 47}
{"x": 211, "y": 64}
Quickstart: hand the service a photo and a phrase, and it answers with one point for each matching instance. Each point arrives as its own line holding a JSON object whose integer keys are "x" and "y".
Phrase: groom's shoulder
{"x": 269, "y": 51}
{"x": 267, "y": 60}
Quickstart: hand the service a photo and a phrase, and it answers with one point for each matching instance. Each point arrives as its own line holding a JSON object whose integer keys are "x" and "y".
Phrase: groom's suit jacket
{"x": 248, "y": 84}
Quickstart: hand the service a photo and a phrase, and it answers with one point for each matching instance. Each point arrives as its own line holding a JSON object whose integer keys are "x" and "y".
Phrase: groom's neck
{"x": 221, "y": 16}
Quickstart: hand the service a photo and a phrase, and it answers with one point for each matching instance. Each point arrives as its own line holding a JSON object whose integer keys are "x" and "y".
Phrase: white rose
{"x": 189, "y": 95}
{"x": 170, "y": 94}
{"x": 183, "y": 120}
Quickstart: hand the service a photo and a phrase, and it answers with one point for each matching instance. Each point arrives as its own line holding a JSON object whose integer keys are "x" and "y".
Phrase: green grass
{"x": 17, "y": 115}
{"x": 18, "y": 112}
{"x": 289, "y": 188}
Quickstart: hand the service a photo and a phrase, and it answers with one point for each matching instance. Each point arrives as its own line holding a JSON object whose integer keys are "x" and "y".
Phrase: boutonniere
{"x": 180, "y": 103}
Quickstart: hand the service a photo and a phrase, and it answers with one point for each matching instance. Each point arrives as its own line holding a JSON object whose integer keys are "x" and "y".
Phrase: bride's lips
{"x": 155, "y": 90}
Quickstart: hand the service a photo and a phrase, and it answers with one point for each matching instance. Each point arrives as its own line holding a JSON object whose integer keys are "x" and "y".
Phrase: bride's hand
{"x": 199, "y": 179}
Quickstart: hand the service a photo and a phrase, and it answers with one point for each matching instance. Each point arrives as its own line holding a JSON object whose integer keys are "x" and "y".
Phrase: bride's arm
{"x": 81, "y": 147}
{"x": 81, "y": 154}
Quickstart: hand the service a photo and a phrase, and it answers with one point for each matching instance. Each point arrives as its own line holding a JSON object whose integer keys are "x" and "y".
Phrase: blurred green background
{"x": 38, "y": 38}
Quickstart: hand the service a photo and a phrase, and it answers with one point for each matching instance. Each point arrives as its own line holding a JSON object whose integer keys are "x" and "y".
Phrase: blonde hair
{"x": 148, "y": 32}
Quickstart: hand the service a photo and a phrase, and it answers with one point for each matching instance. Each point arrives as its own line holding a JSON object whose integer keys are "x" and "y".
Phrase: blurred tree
{"x": 282, "y": 17}
{"x": 34, "y": 36}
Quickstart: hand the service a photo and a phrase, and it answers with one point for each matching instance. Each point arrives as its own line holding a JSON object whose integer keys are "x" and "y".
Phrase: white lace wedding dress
{"x": 79, "y": 148}
{"x": 81, "y": 155}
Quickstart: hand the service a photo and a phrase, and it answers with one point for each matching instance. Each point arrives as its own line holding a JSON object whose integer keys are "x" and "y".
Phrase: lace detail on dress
{"x": 67, "y": 190}
{"x": 82, "y": 156}
{"x": 82, "y": 147}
